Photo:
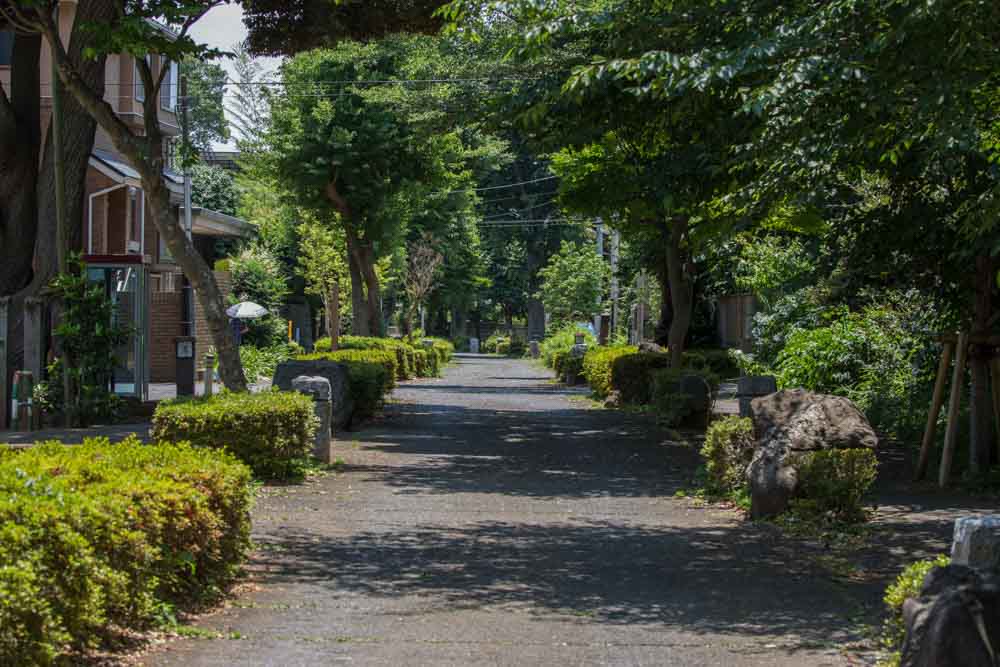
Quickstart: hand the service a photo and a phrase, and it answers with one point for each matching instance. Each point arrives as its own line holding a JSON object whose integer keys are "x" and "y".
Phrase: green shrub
{"x": 260, "y": 362}
{"x": 728, "y": 449}
{"x": 445, "y": 349}
{"x": 597, "y": 366}
{"x": 671, "y": 405}
{"x": 502, "y": 347}
{"x": 833, "y": 482}
{"x": 561, "y": 341}
{"x": 403, "y": 369}
{"x": 567, "y": 366}
{"x": 489, "y": 345}
{"x": 101, "y": 534}
{"x": 517, "y": 347}
{"x": 711, "y": 362}
{"x": 907, "y": 585}
{"x": 271, "y": 431}
{"x": 371, "y": 376}
{"x": 632, "y": 375}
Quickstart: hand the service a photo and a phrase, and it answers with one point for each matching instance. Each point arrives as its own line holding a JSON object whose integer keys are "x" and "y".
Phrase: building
{"x": 122, "y": 251}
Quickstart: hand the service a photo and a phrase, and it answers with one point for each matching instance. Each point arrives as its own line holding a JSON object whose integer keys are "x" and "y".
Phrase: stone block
{"x": 336, "y": 373}
{"x": 319, "y": 389}
{"x": 474, "y": 345}
{"x": 756, "y": 385}
{"x": 535, "y": 350}
{"x": 976, "y": 542}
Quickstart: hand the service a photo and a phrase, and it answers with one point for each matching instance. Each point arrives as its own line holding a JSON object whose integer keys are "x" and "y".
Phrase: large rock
{"x": 956, "y": 620}
{"x": 340, "y": 391}
{"x": 976, "y": 542}
{"x": 789, "y": 423}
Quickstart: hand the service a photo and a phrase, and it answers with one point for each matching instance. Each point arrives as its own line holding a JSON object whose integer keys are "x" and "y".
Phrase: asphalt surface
{"x": 495, "y": 518}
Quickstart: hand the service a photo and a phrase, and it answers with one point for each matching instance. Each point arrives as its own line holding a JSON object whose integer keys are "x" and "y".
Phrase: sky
{"x": 221, "y": 28}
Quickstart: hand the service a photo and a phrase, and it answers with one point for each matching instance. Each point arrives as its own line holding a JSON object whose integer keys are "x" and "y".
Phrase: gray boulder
{"x": 647, "y": 346}
{"x": 956, "y": 620}
{"x": 789, "y": 423}
{"x": 976, "y": 542}
{"x": 340, "y": 390}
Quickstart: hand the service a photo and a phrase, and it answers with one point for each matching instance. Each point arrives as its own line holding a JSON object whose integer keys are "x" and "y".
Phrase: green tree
{"x": 213, "y": 188}
{"x": 206, "y": 87}
{"x": 574, "y": 283}
{"x": 259, "y": 277}
{"x": 323, "y": 264}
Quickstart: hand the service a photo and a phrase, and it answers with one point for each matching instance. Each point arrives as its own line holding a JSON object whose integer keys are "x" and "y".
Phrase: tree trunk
{"x": 363, "y": 256}
{"x": 20, "y": 136}
{"x": 457, "y": 327}
{"x": 332, "y": 303}
{"x": 535, "y": 307}
{"x": 681, "y": 292}
{"x": 981, "y": 404}
{"x": 359, "y": 306}
{"x": 661, "y": 334}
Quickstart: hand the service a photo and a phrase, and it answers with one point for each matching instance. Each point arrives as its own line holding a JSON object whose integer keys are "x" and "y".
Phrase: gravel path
{"x": 493, "y": 518}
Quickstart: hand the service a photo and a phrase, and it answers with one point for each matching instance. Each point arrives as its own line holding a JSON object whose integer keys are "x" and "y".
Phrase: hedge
{"x": 728, "y": 450}
{"x": 632, "y": 375}
{"x": 271, "y": 431}
{"x": 371, "y": 375}
{"x": 567, "y": 366}
{"x": 100, "y": 535}
{"x": 597, "y": 366}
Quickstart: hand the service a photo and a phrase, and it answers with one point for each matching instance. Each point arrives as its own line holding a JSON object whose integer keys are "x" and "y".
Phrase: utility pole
{"x": 615, "y": 248}
{"x": 187, "y": 363}
{"x": 59, "y": 181}
{"x": 600, "y": 255}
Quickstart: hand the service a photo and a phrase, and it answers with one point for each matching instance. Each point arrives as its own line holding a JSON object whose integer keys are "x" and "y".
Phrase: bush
{"x": 833, "y": 482}
{"x": 711, "y": 362}
{"x": 517, "y": 347}
{"x": 907, "y": 585}
{"x": 671, "y": 405}
{"x": 445, "y": 349}
{"x": 405, "y": 367}
{"x": 632, "y": 375}
{"x": 489, "y": 346}
{"x": 597, "y": 366}
{"x": 99, "y": 534}
{"x": 563, "y": 340}
{"x": 728, "y": 449}
{"x": 259, "y": 276}
{"x": 261, "y": 362}
{"x": 272, "y": 431}
{"x": 567, "y": 366}
{"x": 371, "y": 375}
{"x": 502, "y": 347}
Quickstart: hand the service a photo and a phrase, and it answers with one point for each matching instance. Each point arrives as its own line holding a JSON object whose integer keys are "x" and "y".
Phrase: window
{"x": 170, "y": 87}
{"x": 6, "y": 46}
{"x": 135, "y": 214}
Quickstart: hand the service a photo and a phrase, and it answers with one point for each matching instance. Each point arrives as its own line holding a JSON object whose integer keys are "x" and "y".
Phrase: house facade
{"x": 122, "y": 249}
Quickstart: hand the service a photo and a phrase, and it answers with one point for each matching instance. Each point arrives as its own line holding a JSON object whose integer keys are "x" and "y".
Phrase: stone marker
{"x": 474, "y": 345}
{"x": 977, "y": 542}
{"x": 750, "y": 387}
{"x": 535, "y": 351}
{"x": 343, "y": 404}
{"x": 319, "y": 389}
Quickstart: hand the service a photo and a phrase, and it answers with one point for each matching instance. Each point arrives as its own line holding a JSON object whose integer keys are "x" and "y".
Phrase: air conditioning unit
{"x": 134, "y": 247}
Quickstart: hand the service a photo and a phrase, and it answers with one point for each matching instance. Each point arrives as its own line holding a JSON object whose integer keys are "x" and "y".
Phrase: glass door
{"x": 126, "y": 285}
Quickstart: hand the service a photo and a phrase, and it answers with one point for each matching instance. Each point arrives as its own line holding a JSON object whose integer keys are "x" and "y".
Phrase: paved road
{"x": 492, "y": 518}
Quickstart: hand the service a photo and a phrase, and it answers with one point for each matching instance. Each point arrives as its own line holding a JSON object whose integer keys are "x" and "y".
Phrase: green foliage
{"x": 833, "y": 482}
{"x": 97, "y": 535}
{"x": 597, "y": 365}
{"x": 489, "y": 345}
{"x": 632, "y": 375}
{"x": 907, "y": 585}
{"x": 261, "y": 362}
{"x": 561, "y": 341}
{"x": 371, "y": 374}
{"x": 503, "y": 346}
{"x": 672, "y": 405}
{"x": 567, "y": 365}
{"x": 206, "y": 88}
{"x": 90, "y": 334}
{"x": 259, "y": 277}
{"x": 213, "y": 188}
{"x": 272, "y": 432}
{"x": 573, "y": 283}
{"x": 770, "y": 265}
{"x": 728, "y": 449}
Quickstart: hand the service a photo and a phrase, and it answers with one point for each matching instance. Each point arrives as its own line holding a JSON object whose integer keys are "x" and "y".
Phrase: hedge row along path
{"x": 494, "y": 518}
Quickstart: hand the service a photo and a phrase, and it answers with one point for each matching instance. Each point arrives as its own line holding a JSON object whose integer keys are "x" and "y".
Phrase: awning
{"x": 114, "y": 168}
{"x": 206, "y": 222}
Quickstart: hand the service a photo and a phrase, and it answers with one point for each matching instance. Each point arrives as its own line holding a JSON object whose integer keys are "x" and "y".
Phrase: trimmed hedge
{"x": 371, "y": 375}
{"x": 597, "y": 366}
{"x": 728, "y": 449}
{"x": 833, "y": 482}
{"x": 907, "y": 585}
{"x": 97, "y": 535}
{"x": 632, "y": 375}
{"x": 272, "y": 431}
{"x": 566, "y": 366}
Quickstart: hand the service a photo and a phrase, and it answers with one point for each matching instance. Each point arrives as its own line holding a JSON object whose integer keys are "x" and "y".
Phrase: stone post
{"x": 320, "y": 391}
{"x": 750, "y": 387}
{"x": 976, "y": 542}
{"x": 209, "y": 374}
{"x": 535, "y": 351}
{"x": 474, "y": 345}
{"x": 4, "y": 386}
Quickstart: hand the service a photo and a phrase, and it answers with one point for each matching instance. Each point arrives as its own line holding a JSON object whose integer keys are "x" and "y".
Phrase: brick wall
{"x": 202, "y": 334}
{"x": 164, "y": 326}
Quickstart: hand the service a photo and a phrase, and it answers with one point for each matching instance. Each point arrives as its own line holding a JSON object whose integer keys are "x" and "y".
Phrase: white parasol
{"x": 246, "y": 310}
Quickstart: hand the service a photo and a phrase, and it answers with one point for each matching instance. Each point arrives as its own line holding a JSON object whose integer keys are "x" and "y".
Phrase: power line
{"x": 495, "y": 187}
{"x": 528, "y": 208}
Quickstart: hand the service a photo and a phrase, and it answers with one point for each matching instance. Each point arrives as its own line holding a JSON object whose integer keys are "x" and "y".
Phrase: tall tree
{"x": 135, "y": 30}
{"x": 206, "y": 88}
